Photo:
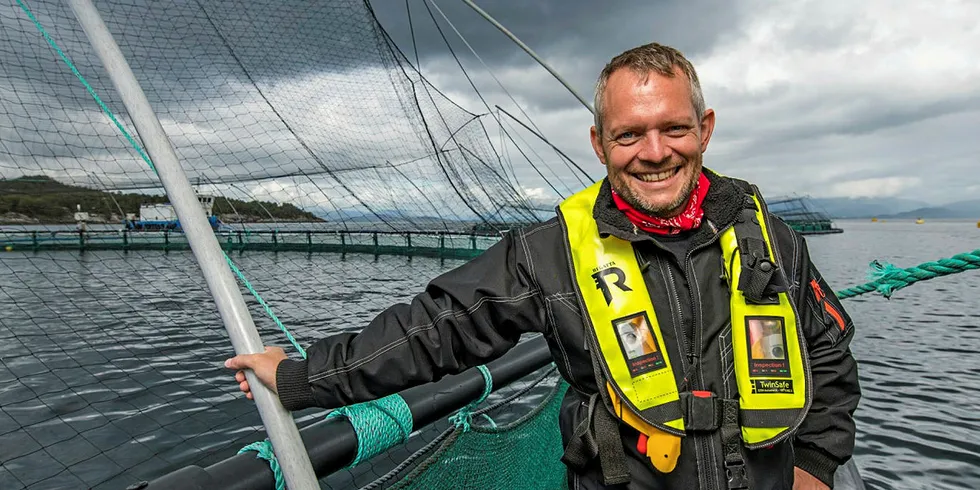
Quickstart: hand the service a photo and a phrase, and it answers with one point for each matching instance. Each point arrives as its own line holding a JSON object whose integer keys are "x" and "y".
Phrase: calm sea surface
{"x": 110, "y": 363}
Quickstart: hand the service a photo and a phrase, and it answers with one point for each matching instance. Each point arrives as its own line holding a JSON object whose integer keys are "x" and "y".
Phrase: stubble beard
{"x": 671, "y": 209}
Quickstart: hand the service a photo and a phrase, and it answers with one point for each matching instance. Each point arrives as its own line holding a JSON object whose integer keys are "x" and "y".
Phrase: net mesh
{"x": 526, "y": 454}
{"x": 341, "y": 178}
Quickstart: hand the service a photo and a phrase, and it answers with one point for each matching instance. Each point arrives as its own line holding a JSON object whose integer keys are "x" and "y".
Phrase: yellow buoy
{"x": 874, "y": 220}
{"x": 920, "y": 221}
{"x": 978, "y": 224}
{"x": 10, "y": 248}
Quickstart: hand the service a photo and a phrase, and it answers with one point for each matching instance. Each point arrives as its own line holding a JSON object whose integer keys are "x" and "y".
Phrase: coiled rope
{"x": 887, "y": 278}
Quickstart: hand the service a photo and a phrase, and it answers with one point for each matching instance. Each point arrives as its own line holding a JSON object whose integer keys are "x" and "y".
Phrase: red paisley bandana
{"x": 689, "y": 219}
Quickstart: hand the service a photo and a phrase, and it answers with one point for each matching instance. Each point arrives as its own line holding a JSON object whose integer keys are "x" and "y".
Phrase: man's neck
{"x": 688, "y": 218}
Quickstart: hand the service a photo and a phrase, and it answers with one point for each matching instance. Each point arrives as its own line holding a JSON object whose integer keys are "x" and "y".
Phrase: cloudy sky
{"x": 827, "y": 98}
{"x": 298, "y": 102}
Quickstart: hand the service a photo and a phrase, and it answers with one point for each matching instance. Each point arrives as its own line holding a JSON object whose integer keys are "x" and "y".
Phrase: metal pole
{"x": 278, "y": 422}
{"x": 530, "y": 52}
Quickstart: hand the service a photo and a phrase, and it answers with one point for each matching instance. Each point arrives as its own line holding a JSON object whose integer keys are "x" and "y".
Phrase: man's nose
{"x": 654, "y": 148}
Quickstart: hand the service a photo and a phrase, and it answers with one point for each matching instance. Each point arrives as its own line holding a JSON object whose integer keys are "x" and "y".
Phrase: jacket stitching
{"x": 527, "y": 253}
{"x": 797, "y": 263}
{"x": 554, "y": 329}
{"x": 727, "y": 363}
{"x": 527, "y": 249}
{"x": 564, "y": 299}
{"x": 421, "y": 328}
{"x": 541, "y": 228}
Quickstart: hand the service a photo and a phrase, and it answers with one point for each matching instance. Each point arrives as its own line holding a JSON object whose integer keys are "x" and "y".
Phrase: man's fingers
{"x": 242, "y": 361}
{"x": 263, "y": 365}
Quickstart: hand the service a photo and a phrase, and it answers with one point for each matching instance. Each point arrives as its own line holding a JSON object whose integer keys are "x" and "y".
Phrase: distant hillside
{"x": 955, "y": 210}
{"x": 40, "y": 199}
{"x": 864, "y": 207}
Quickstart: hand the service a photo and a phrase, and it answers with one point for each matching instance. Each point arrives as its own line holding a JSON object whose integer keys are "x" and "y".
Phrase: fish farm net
{"x": 336, "y": 177}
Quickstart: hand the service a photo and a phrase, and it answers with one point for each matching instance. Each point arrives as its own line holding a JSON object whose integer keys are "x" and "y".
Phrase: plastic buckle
{"x": 703, "y": 411}
{"x": 737, "y": 478}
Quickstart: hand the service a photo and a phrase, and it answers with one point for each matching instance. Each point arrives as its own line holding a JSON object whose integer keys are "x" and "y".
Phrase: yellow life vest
{"x": 770, "y": 367}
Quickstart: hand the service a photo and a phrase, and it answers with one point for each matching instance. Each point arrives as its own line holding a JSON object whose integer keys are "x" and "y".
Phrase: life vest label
{"x": 766, "y": 386}
{"x": 640, "y": 348}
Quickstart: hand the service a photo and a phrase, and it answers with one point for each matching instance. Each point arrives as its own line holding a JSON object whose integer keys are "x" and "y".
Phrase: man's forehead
{"x": 628, "y": 93}
{"x": 634, "y": 82}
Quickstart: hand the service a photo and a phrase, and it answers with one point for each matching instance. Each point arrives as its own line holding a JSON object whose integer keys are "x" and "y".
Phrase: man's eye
{"x": 676, "y": 129}
{"x": 626, "y": 135}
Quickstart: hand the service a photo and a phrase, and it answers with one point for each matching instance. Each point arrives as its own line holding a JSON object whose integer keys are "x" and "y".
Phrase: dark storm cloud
{"x": 577, "y": 36}
{"x": 582, "y": 28}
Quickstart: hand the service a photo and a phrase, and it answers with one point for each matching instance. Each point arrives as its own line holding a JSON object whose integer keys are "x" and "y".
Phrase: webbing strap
{"x": 731, "y": 438}
{"x": 597, "y": 435}
{"x": 582, "y": 447}
{"x": 757, "y": 267}
{"x": 612, "y": 456}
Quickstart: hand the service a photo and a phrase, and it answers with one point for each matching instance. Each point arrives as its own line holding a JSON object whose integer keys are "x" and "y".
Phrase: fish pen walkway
{"x": 440, "y": 244}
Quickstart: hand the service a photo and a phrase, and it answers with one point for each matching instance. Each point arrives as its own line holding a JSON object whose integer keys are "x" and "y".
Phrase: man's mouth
{"x": 658, "y": 176}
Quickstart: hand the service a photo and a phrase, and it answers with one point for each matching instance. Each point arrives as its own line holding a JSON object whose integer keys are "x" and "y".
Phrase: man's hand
{"x": 264, "y": 366}
{"x": 806, "y": 481}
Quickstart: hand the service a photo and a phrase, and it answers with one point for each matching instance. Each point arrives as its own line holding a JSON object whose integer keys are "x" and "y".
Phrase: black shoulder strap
{"x": 761, "y": 278}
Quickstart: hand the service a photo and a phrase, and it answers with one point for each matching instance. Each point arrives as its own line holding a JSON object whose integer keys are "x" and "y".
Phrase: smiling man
{"x": 743, "y": 378}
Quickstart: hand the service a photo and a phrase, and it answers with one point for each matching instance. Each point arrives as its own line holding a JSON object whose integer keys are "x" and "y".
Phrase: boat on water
{"x": 160, "y": 217}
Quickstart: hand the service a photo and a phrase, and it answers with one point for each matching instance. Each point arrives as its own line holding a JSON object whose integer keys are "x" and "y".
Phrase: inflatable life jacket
{"x": 771, "y": 369}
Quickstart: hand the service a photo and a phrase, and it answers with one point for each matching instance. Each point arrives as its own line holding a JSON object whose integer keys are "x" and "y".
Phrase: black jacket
{"x": 476, "y": 312}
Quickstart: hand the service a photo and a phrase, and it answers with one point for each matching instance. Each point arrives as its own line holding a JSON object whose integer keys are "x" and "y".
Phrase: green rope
{"x": 265, "y": 306}
{"x": 264, "y": 450}
{"x": 464, "y": 417}
{"x": 887, "y": 278}
{"x": 379, "y": 425}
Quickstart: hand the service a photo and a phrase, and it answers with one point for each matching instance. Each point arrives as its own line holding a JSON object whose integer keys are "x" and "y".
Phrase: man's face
{"x": 652, "y": 141}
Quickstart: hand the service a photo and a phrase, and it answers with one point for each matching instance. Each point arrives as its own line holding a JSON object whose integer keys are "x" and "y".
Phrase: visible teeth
{"x": 656, "y": 177}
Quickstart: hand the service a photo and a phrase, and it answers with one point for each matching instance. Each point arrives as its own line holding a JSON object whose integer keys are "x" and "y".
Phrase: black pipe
{"x": 332, "y": 443}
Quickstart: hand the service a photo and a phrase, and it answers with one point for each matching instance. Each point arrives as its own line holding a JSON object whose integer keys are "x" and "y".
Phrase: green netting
{"x": 523, "y": 455}
{"x": 321, "y": 150}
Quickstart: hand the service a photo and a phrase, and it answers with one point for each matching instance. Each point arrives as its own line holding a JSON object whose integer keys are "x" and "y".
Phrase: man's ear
{"x": 707, "y": 127}
{"x": 597, "y": 145}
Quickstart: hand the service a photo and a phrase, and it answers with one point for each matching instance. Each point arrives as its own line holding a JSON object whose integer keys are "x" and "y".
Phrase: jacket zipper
{"x": 703, "y": 443}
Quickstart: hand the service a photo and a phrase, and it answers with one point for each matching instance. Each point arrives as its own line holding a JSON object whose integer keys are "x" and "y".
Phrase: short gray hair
{"x": 646, "y": 59}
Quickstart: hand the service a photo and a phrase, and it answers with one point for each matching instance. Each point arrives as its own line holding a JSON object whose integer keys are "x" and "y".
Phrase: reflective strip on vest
{"x": 623, "y": 320}
{"x": 769, "y": 365}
